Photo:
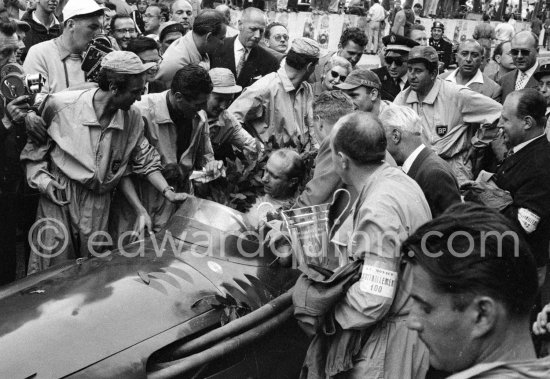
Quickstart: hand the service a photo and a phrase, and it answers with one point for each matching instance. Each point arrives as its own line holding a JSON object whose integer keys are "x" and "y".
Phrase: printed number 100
{"x": 376, "y": 288}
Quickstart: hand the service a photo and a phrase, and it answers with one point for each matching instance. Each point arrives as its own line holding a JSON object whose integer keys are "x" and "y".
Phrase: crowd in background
{"x": 181, "y": 100}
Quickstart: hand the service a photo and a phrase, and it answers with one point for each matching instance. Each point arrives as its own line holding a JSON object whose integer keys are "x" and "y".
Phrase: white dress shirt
{"x": 239, "y": 50}
{"x": 410, "y": 160}
{"x": 478, "y": 78}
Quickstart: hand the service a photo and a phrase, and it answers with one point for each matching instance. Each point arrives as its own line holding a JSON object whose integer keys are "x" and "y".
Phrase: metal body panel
{"x": 103, "y": 317}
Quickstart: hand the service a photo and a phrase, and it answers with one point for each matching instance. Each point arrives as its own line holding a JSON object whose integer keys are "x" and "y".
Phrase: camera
{"x": 14, "y": 82}
{"x": 97, "y": 49}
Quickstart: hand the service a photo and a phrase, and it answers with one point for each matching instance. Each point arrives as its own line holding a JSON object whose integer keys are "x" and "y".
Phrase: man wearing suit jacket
{"x": 242, "y": 55}
{"x": 524, "y": 52}
{"x": 404, "y": 143}
{"x": 469, "y": 58}
{"x": 525, "y": 172}
{"x": 393, "y": 75}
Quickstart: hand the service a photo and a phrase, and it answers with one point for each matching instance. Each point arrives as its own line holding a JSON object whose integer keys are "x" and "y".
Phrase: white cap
{"x": 79, "y": 8}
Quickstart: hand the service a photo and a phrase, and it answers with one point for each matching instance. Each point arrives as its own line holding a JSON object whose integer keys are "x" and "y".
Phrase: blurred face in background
{"x": 168, "y": 39}
{"x": 419, "y": 36}
{"x": 125, "y": 30}
{"x": 49, "y": 6}
{"x": 437, "y": 33}
{"x": 142, "y": 6}
{"x": 278, "y": 39}
{"x": 505, "y": 60}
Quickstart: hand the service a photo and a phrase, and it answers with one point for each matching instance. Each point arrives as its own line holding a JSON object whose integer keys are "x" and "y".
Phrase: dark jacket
{"x": 508, "y": 83}
{"x": 260, "y": 62}
{"x": 389, "y": 88}
{"x": 38, "y": 33}
{"x": 444, "y": 50}
{"x": 526, "y": 175}
{"x": 436, "y": 179}
{"x": 12, "y": 142}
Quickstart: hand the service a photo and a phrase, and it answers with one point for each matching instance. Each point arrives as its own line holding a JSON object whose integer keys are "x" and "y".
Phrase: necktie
{"x": 520, "y": 83}
{"x": 240, "y": 65}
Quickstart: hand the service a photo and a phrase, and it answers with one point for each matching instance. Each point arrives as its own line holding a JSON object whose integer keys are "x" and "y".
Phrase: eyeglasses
{"x": 126, "y": 31}
{"x": 279, "y": 37}
{"x": 336, "y": 74}
{"x": 524, "y": 52}
{"x": 398, "y": 61}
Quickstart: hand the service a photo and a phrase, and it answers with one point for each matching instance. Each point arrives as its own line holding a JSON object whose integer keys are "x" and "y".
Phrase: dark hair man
{"x": 502, "y": 56}
{"x": 351, "y": 46}
{"x": 279, "y": 104}
{"x": 469, "y": 58}
{"x": 358, "y": 145}
{"x": 177, "y": 127}
{"x": 524, "y": 52}
{"x": 44, "y": 26}
{"x": 474, "y": 288}
{"x": 445, "y": 127}
{"x": 276, "y": 37}
{"x": 524, "y": 172}
{"x": 95, "y": 137}
{"x": 207, "y": 35}
{"x": 148, "y": 51}
{"x": 243, "y": 54}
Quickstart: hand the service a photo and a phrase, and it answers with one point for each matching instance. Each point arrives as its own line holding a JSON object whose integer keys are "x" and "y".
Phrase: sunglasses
{"x": 397, "y": 61}
{"x": 524, "y": 52}
{"x": 279, "y": 37}
{"x": 335, "y": 75}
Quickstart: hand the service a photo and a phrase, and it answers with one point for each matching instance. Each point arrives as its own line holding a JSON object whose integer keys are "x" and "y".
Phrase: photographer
{"x": 12, "y": 140}
{"x": 59, "y": 60}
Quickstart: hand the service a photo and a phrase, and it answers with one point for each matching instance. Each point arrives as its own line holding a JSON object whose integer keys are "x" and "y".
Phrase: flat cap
{"x": 306, "y": 46}
{"x": 423, "y": 53}
{"x": 125, "y": 62}
{"x": 360, "y": 77}
{"x": 223, "y": 81}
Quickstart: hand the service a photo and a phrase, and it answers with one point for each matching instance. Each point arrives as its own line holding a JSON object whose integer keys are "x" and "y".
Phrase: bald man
{"x": 526, "y": 64}
{"x": 469, "y": 58}
{"x": 242, "y": 55}
{"x": 390, "y": 206}
{"x": 182, "y": 11}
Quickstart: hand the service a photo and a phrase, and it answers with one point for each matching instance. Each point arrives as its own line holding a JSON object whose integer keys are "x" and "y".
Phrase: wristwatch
{"x": 168, "y": 188}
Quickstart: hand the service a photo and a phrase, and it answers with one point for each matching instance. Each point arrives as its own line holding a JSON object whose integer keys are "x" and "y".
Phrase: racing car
{"x": 201, "y": 299}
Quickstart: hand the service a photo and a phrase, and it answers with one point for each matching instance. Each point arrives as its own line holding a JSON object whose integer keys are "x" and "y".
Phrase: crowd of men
{"x": 435, "y": 287}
